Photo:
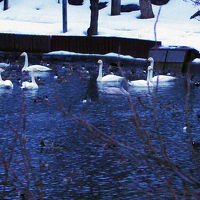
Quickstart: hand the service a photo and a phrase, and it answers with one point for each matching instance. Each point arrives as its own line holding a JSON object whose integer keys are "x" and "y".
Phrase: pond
{"x": 46, "y": 154}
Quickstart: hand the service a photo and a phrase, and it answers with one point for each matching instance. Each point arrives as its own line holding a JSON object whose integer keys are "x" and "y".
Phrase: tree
{"x": 146, "y": 9}
{"x": 5, "y": 7}
{"x": 93, "y": 29}
{"x": 116, "y": 7}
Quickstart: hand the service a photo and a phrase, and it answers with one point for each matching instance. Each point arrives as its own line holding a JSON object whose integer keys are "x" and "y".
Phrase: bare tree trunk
{"x": 116, "y": 7}
{"x": 64, "y": 12}
{"x": 146, "y": 9}
{"x": 93, "y": 29}
{"x": 5, "y": 7}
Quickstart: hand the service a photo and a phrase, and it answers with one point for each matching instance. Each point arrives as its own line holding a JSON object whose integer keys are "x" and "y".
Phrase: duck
{"x": 158, "y": 78}
{"x": 142, "y": 83}
{"x": 32, "y": 84}
{"x": 110, "y": 79}
{"x": 40, "y": 68}
{"x": 196, "y": 144}
{"x": 40, "y": 99}
{"x": 5, "y": 83}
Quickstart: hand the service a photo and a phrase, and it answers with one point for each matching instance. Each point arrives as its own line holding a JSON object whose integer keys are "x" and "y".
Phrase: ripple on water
{"x": 76, "y": 164}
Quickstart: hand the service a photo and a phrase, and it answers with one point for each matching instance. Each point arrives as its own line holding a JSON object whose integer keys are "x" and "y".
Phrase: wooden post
{"x": 116, "y": 7}
{"x": 64, "y": 12}
{"x": 5, "y": 6}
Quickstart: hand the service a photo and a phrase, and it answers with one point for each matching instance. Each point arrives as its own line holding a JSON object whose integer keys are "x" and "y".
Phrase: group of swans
{"x": 32, "y": 69}
{"x": 151, "y": 80}
{"x": 112, "y": 84}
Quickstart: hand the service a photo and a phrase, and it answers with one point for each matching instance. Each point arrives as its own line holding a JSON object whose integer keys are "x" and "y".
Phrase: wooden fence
{"x": 79, "y": 44}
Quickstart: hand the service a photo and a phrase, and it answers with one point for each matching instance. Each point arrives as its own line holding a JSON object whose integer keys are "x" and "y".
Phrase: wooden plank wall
{"x": 79, "y": 44}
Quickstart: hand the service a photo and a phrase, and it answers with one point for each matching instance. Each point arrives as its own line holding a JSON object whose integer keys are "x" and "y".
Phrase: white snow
{"x": 44, "y": 17}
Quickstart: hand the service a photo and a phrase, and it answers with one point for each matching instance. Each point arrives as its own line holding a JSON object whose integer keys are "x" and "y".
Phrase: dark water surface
{"x": 55, "y": 157}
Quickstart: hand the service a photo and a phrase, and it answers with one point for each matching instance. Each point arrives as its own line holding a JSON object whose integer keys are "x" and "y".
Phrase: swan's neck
{"x": 148, "y": 76}
{"x": 32, "y": 77}
{"x": 1, "y": 78}
{"x": 26, "y": 62}
{"x": 100, "y": 72}
{"x": 151, "y": 72}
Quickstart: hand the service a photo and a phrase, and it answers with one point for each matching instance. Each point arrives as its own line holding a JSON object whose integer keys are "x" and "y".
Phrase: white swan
{"x": 31, "y": 67}
{"x": 142, "y": 83}
{"x": 32, "y": 84}
{"x": 2, "y": 64}
{"x": 159, "y": 78}
{"x": 6, "y": 83}
{"x": 110, "y": 79}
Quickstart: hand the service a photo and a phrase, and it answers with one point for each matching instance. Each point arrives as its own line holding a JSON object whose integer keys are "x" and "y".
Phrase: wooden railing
{"x": 79, "y": 44}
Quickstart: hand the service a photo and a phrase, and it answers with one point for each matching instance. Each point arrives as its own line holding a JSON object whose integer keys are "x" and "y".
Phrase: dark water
{"x": 55, "y": 157}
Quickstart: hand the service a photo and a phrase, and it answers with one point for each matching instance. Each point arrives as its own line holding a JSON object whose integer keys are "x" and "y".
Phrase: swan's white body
{"x": 142, "y": 83}
{"x": 4, "y": 64}
{"x": 158, "y": 78}
{"x": 110, "y": 79}
{"x": 30, "y": 85}
{"x": 30, "y": 68}
{"x": 162, "y": 78}
{"x": 6, "y": 83}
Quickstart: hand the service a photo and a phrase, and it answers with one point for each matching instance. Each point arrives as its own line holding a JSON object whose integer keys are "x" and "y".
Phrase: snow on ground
{"x": 44, "y": 17}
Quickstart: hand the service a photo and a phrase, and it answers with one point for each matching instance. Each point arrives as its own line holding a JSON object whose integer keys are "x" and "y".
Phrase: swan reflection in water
{"x": 95, "y": 88}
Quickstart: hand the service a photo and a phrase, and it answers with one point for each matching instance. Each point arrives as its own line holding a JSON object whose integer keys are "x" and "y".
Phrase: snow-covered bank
{"x": 45, "y": 18}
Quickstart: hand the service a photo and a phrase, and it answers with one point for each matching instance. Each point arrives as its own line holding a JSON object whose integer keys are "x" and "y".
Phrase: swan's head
{"x": 2, "y": 70}
{"x": 150, "y": 59}
{"x": 100, "y": 62}
{"x": 23, "y": 54}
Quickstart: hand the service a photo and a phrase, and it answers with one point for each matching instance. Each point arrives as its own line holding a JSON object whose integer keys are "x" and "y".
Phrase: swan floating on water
{"x": 142, "y": 83}
{"x": 32, "y": 84}
{"x": 5, "y": 83}
{"x": 158, "y": 78}
{"x": 40, "y": 68}
{"x": 2, "y": 64}
{"x": 110, "y": 79}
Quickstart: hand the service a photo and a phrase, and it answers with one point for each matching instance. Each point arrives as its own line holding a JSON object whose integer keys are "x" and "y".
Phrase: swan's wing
{"x": 112, "y": 77}
{"x": 29, "y": 85}
{"x": 162, "y": 78}
{"x": 8, "y": 83}
{"x": 138, "y": 83}
{"x": 38, "y": 68}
